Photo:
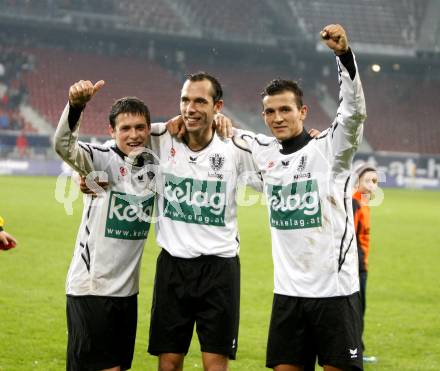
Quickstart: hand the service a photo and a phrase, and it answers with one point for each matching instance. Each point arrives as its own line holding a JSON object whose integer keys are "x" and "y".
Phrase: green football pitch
{"x": 403, "y": 314}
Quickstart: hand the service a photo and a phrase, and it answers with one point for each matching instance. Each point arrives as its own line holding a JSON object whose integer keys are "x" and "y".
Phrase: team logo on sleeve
{"x": 128, "y": 216}
{"x": 194, "y": 201}
{"x": 294, "y": 206}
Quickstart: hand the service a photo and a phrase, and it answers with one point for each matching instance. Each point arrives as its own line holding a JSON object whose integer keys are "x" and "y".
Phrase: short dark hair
{"x": 128, "y": 105}
{"x": 217, "y": 91}
{"x": 278, "y": 86}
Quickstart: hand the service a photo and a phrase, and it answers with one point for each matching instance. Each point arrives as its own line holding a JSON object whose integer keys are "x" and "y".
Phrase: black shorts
{"x": 204, "y": 291}
{"x": 101, "y": 332}
{"x": 302, "y": 328}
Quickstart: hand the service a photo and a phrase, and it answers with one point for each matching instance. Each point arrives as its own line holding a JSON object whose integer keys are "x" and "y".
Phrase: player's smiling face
{"x": 197, "y": 105}
{"x": 283, "y": 116}
{"x": 131, "y": 132}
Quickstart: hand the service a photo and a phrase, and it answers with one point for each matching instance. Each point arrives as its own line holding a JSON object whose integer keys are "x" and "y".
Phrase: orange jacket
{"x": 361, "y": 213}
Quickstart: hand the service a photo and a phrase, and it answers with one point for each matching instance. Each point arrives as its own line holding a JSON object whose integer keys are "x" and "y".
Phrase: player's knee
{"x": 169, "y": 366}
{"x": 221, "y": 367}
{"x": 170, "y": 363}
{"x": 216, "y": 363}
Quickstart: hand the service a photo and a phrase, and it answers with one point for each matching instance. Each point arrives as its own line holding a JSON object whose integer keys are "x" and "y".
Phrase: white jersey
{"x": 110, "y": 240}
{"x": 309, "y": 201}
{"x": 196, "y": 204}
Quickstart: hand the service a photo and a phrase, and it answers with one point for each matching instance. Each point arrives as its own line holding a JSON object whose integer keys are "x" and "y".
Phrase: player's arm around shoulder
{"x": 161, "y": 132}
{"x": 243, "y": 150}
{"x": 255, "y": 141}
{"x": 250, "y": 144}
{"x": 244, "y": 138}
{"x": 66, "y": 142}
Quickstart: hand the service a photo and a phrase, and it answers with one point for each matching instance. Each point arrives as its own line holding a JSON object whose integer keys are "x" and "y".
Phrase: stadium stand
{"x": 402, "y": 111}
{"x": 388, "y": 111}
{"x": 13, "y": 90}
{"x": 179, "y": 36}
{"x": 28, "y": 9}
{"x": 98, "y": 7}
{"x": 154, "y": 15}
{"x": 230, "y": 19}
{"x": 56, "y": 70}
{"x": 402, "y": 114}
{"x": 393, "y": 23}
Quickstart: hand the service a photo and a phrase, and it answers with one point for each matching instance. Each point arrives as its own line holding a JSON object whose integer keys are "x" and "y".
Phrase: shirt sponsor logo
{"x": 195, "y": 201}
{"x": 128, "y": 216}
{"x": 294, "y": 206}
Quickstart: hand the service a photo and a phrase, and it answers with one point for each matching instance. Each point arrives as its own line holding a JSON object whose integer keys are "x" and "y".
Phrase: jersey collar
{"x": 296, "y": 143}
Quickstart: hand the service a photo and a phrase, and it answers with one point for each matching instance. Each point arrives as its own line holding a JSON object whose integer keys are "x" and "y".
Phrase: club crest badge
{"x": 302, "y": 164}
{"x": 216, "y": 161}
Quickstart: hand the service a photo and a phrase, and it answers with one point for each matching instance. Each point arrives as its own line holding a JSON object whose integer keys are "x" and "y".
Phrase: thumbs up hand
{"x": 82, "y": 91}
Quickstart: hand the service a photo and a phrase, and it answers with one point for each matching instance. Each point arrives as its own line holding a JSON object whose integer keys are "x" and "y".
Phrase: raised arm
{"x": 66, "y": 143}
{"x": 345, "y": 133}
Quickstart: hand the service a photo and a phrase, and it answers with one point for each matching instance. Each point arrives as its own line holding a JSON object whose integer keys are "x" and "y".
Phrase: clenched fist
{"x": 82, "y": 91}
{"x": 335, "y": 38}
